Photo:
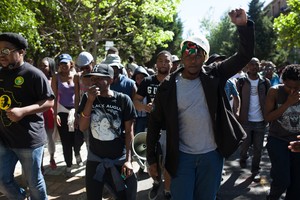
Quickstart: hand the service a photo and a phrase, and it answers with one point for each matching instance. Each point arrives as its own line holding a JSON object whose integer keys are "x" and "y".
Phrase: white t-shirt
{"x": 255, "y": 113}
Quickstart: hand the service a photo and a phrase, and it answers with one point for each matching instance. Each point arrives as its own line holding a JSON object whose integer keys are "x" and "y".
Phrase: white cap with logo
{"x": 199, "y": 40}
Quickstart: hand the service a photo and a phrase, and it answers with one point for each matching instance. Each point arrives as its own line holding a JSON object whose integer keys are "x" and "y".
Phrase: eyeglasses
{"x": 6, "y": 51}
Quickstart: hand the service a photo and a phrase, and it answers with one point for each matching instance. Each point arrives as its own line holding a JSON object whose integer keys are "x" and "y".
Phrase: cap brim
{"x": 64, "y": 61}
{"x": 221, "y": 57}
{"x": 97, "y": 74}
{"x": 119, "y": 65}
{"x": 176, "y": 61}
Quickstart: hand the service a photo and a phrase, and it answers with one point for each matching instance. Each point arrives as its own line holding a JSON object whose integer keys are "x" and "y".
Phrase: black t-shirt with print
{"x": 148, "y": 87}
{"x": 20, "y": 87}
{"x": 107, "y": 140}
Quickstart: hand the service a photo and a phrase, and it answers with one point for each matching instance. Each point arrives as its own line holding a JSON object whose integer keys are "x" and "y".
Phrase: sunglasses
{"x": 6, "y": 51}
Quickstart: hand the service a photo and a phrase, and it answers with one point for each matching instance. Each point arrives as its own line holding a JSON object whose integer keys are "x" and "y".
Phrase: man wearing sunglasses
{"x": 192, "y": 105}
{"x": 22, "y": 134}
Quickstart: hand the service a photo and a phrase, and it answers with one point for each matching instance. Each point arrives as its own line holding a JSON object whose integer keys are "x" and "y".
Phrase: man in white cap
{"x": 85, "y": 63}
{"x": 192, "y": 105}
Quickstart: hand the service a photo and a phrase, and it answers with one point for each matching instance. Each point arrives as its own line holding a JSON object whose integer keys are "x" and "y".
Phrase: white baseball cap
{"x": 175, "y": 58}
{"x": 84, "y": 59}
{"x": 199, "y": 40}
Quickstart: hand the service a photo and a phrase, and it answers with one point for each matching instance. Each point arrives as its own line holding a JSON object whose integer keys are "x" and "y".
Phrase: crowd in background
{"x": 106, "y": 104}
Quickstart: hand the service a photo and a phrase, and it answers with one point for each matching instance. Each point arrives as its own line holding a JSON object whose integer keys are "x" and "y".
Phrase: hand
{"x": 57, "y": 120}
{"x": 152, "y": 170}
{"x": 14, "y": 114}
{"x": 127, "y": 169}
{"x": 295, "y": 145}
{"x": 238, "y": 17}
{"x": 93, "y": 92}
{"x": 148, "y": 107}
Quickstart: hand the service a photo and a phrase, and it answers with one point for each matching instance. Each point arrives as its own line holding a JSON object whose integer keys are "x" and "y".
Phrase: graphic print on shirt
{"x": 6, "y": 101}
{"x": 290, "y": 119}
{"x": 105, "y": 126}
{"x": 253, "y": 90}
{"x": 151, "y": 90}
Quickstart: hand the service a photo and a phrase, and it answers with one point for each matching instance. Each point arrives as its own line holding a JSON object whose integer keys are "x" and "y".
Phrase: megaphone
{"x": 139, "y": 148}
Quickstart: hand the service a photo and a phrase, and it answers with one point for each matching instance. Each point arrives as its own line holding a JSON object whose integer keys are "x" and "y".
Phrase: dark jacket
{"x": 244, "y": 87}
{"x": 213, "y": 78}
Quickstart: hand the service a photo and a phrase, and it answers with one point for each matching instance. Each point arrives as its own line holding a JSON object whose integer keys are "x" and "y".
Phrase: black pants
{"x": 94, "y": 188}
{"x": 67, "y": 139}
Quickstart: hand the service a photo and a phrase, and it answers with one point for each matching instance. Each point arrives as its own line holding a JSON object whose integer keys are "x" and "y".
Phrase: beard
{"x": 9, "y": 66}
{"x": 163, "y": 71}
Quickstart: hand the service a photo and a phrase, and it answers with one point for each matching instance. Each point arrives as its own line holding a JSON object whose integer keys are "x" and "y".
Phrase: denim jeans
{"x": 255, "y": 136}
{"x": 198, "y": 176}
{"x": 30, "y": 160}
{"x": 285, "y": 171}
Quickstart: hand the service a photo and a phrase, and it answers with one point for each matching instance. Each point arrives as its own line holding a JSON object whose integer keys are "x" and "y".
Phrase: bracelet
{"x": 85, "y": 116}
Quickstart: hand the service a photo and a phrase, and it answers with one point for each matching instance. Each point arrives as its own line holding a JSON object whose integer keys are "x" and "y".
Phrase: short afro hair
{"x": 291, "y": 72}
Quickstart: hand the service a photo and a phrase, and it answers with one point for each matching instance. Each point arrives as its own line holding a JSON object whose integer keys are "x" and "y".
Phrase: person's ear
{"x": 22, "y": 52}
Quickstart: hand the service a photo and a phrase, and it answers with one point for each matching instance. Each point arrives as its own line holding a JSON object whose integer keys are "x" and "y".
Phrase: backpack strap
{"x": 239, "y": 84}
{"x": 121, "y": 97}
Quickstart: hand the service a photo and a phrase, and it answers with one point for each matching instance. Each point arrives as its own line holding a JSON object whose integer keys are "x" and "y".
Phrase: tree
{"x": 172, "y": 46}
{"x": 15, "y": 17}
{"x": 264, "y": 34}
{"x": 287, "y": 27}
{"x": 222, "y": 37}
{"x": 72, "y": 26}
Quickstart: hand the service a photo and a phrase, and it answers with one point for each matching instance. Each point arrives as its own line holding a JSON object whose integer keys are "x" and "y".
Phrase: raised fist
{"x": 238, "y": 17}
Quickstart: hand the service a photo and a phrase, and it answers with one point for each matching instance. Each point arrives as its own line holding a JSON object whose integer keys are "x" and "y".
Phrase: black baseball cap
{"x": 101, "y": 70}
{"x": 215, "y": 57}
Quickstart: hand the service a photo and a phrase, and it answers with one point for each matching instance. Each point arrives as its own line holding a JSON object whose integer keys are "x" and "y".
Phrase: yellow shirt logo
{"x": 5, "y": 102}
{"x": 19, "y": 80}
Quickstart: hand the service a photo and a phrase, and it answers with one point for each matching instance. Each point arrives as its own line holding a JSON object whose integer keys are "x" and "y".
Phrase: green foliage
{"x": 16, "y": 17}
{"x": 59, "y": 26}
{"x": 222, "y": 37}
{"x": 173, "y": 46}
{"x": 264, "y": 34}
{"x": 287, "y": 27}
